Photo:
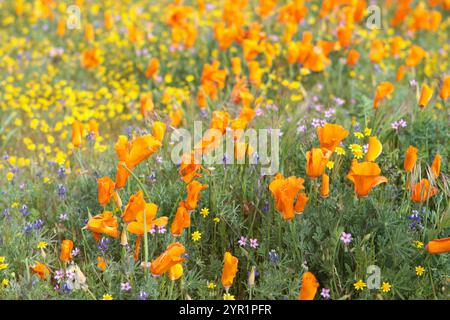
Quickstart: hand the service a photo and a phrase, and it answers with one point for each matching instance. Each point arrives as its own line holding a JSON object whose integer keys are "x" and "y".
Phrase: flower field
{"x": 224, "y": 149}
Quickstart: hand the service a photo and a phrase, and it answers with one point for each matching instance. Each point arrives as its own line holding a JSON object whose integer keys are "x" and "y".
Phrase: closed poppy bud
{"x": 236, "y": 66}
{"x": 425, "y": 96}
{"x": 105, "y": 190}
{"x": 410, "y": 158}
{"x": 285, "y": 190}
{"x": 101, "y": 264}
{"x": 66, "y": 250}
{"x": 331, "y": 135}
{"x": 159, "y": 129}
{"x": 135, "y": 205}
{"x": 400, "y": 73}
{"x": 193, "y": 190}
{"x": 383, "y": 90}
{"x": 89, "y": 32}
{"x": 301, "y": 202}
{"x": 316, "y": 160}
{"x": 344, "y": 35}
{"x": 181, "y": 221}
{"x": 309, "y": 287}
{"x": 61, "y": 28}
{"x": 365, "y": 176}
{"x": 169, "y": 258}
{"x": 377, "y": 51}
{"x": 422, "y": 191}
{"x": 353, "y": 57}
{"x": 146, "y": 104}
{"x": 251, "y": 277}
{"x": 374, "y": 150}
{"x": 445, "y": 90}
{"x": 41, "y": 270}
{"x": 117, "y": 199}
{"x": 152, "y": 68}
{"x": 230, "y": 269}
{"x": 325, "y": 187}
{"x": 436, "y": 165}
{"x": 77, "y": 134}
{"x": 438, "y": 246}
{"x": 176, "y": 272}
{"x": 109, "y": 21}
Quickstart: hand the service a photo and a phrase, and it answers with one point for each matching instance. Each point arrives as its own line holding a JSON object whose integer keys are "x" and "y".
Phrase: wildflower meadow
{"x": 224, "y": 150}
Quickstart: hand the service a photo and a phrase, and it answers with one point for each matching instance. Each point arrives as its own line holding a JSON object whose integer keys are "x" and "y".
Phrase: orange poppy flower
{"x": 422, "y": 191}
{"x": 105, "y": 188}
{"x": 331, "y": 135}
{"x": 66, "y": 250}
{"x": 141, "y": 148}
{"x": 90, "y": 58}
{"x": 135, "y": 205}
{"x": 309, "y": 287}
{"x": 265, "y": 7}
{"x": 438, "y": 246}
{"x": 175, "y": 117}
{"x": 325, "y": 187}
{"x": 383, "y": 90}
{"x": 425, "y": 96}
{"x": 41, "y": 270}
{"x": 77, "y": 134}
{"x": 181, "y": 221}
{"x": 316, "y": 160}
{"x": 365, "y": 176}
{"x": 193, "y": 190}
{"x": 108, "y": 20}
{"x": 159, "y": 129}
{"x": 122, "y": 175}
{"x": 445, "y": 90}
{"x": 167, "y": 259}
{"x": 104, "y": 223}
{"x": 189, "y": 167}
{"x": 61, "y": 28}
{"x": 377, "y": 51}
{"x": 316, "y": 60}
{"x": 220, "y": 121}
{"x": 436, "y": 165}
{"x": 122, "y": 146}
{"x": 93, "y": 127}
{"x": 101, "y": 264}
{"x": 352, "y": 57}
{"x": 410, "y": 158}
{"x": 285, "y": 190}
{"x": 230, "y": 264}
{"x": 146, "y": 104}
{"x": 236, "y": 66}
{"x": 416, "y": 54}
{"x": 89, "y": 32}
{"x": 255, "y": 73}
{"x": 374, "y": 150}
{"x": 344, "y": 35}
{"x": 396, "y": 45}
{"x": 152, "y": 68}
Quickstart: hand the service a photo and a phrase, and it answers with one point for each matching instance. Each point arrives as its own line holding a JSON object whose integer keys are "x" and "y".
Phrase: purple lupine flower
{"x": 24, "y": 210}
{"x": 242, "y": 241}
{"x": 254, "y": 243}
{"x": 142, "y": 295}
{"x": 6, "y": 212}
{"x": 62, "y": 191}
{"x": 346, "y": 238}
{"x": 273, "y": 256}
{"x": 416, "y": 220}
{"x": 103, "y": 245}
{"x": 325, "y": 293}
{"x": 265, "y": 209}
{"x": 125, "y": 286}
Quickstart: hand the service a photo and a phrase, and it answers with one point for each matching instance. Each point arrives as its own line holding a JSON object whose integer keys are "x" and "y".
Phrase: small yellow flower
{"x": 204, "y": 212}
{"x": 211, "y": 285}
{"x": 2, "y": 259}
{"x": 420, "y": 270}
{"x": 358, "y": 135}
{"x": 5, "y": 282}
{"x": 418, "y": 244}
{"x": 359, "y": 285}
{"x": 216, "y": 219}
{"x": 9, "y": 176}
{"x": 42, "y": 245}
{"x": 367, "y": 132}
{"x": 15, "y": 205}
{"x": 330, "y": 165}
{"x": 46, "y": 179}
{"x": 107, "y": 296}
{"x": 3, "y": 266}
{"x": 227, "y": 296}
{"x": 340, "y": 151}
{"x": 358, "y": 154}
{"x": 386, "y": 287}
{"x": 355, "y": 147}
{"x": 197, "y": 235}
